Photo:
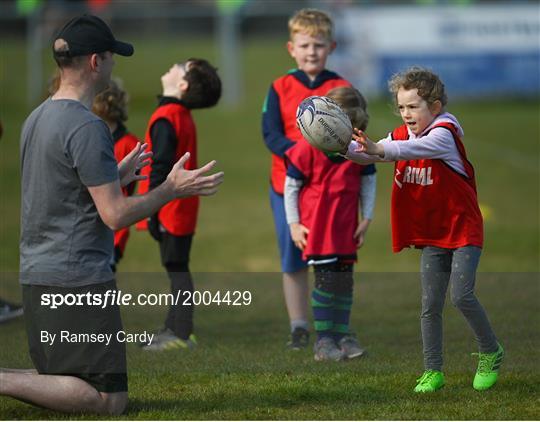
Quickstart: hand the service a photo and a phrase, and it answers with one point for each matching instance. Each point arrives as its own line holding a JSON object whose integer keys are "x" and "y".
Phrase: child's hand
{"x": 366, "y": 145}
{"x": 360, "y": 233}
{"x": 299, "y": 235}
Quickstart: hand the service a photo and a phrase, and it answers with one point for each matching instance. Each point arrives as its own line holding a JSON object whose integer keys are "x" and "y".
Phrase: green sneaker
{"x": 488, "y": 369}
{"x": 429, "y": 381}
{"x": 165, "y": 339}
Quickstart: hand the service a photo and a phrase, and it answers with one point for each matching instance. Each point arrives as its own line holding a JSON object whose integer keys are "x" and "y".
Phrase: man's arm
{"x": 118, "y": 211}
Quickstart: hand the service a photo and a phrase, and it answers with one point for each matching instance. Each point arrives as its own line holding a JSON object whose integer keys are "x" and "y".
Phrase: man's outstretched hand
{"x": 129, "y": 167}
{"x": 184, "y": 183}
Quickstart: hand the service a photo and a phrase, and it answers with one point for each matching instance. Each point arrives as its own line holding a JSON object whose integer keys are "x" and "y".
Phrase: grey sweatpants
{"x": 457, "y": 267}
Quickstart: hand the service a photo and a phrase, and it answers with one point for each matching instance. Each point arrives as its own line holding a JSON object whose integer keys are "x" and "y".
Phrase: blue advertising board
{"x": 479, "y": 51}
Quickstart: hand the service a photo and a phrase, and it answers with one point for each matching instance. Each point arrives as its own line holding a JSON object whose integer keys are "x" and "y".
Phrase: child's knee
{"x": 431, "y": 305}
{"x": 462, "y": 300}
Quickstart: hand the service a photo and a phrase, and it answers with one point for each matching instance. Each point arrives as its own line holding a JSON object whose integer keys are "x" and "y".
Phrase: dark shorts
{"x": 175, "y": 250}
{"x": 81, "y": 333}
{"x": 290, "y": 255}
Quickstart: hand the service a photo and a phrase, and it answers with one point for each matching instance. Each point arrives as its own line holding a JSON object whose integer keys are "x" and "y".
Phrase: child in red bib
{"x": 171, "y": 133}
{"x": 111, "y": 106}
{"x": 322, "y": 194}
{"x": 435, "y": 208}
{"x": 311, "y": 42}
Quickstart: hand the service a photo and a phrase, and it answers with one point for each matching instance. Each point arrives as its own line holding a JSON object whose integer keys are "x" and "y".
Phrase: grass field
{"x": 241, "y": 370}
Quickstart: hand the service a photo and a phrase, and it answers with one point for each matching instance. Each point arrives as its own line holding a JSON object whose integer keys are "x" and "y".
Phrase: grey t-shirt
{"x": 64, "y": 149}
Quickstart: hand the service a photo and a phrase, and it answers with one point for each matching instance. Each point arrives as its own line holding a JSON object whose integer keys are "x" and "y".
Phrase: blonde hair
{"x": 111, "y": 104}
{"x": 54, "y": 82}
{"x": 353, "y": 103}
{"x": 313, "y": 22}
{"x": 429, "y": 85}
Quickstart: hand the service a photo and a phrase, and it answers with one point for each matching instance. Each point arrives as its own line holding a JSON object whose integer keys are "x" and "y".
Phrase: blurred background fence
{"x": 479, "y": 48}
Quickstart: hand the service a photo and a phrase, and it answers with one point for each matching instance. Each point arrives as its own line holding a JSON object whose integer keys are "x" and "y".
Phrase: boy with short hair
{"x": 170, "y": 134}
{"x": 311, "y": 42}
{"x": 435, "y": 209}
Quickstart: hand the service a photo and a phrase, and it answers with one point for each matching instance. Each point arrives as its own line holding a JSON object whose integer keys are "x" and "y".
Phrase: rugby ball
{"x": 324, "y": 124}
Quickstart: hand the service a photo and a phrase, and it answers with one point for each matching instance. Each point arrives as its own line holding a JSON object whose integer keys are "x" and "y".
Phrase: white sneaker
{"x": 9, "y": 311}
{"x": 350, "y": 347}
{"x": 326, "y": 349}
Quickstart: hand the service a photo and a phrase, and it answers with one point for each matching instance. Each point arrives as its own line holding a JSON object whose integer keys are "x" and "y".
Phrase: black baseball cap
{"x": 88, "y": 34}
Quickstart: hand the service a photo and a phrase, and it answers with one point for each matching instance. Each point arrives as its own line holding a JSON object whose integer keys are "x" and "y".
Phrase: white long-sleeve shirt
{"x": 292, "y": 191}
{"x": 437, "y": 144}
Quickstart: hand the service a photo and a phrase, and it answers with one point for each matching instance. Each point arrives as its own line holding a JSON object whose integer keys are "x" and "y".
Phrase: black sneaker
{"x": 9, "y": 311}
{"x": 299, "y": 339}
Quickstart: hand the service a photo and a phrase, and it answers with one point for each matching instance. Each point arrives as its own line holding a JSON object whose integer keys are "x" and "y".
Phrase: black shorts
{"x": 81, "y": 332}
{"x": 175, "y": 251}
